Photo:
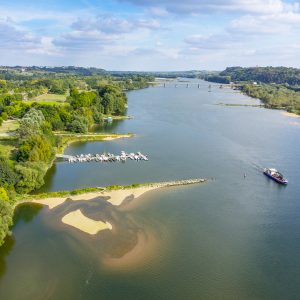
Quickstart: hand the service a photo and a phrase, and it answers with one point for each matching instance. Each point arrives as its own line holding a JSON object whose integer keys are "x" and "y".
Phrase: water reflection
{"x": 26, "y": 212}
{"x": 107, "y": 127}
{"x": 5, "y": 249}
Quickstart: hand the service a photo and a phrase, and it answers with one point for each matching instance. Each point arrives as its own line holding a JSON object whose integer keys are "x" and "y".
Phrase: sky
{"x": 150, "y": 35}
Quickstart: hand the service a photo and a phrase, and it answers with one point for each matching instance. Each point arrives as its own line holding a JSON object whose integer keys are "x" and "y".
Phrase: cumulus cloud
{"x": 156, "y": 34}
{"x": 11, "y": 34}
{"x": 15, "y": 38}
{"x": 114, "y": 25}
{"x": 208, "y": 6}
{"x": 103, "y": 30}
{"x": 279, "y": 23}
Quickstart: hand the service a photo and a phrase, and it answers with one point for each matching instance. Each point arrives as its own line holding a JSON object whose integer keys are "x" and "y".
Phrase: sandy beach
{"x": 85, "y": 224}
{"x": 110, "y": 138}
{"x": 115, "y": 197}
{"x": 291, "y": 115}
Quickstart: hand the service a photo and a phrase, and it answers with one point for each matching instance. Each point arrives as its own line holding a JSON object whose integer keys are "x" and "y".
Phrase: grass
{"x": 51, "y": 98}
{"x": 46, "y": 102}
{"x": 9, "y": 126}
{"x": 79, "y": 191}
{"x": 6, "y": 147}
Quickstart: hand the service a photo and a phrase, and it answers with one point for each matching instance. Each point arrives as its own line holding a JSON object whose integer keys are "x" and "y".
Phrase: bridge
{"x": 190, "y": 84}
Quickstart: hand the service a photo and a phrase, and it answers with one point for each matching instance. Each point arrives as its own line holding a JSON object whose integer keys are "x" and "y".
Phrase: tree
{"x": 31, "y": 123}
{"x": 3, "y": 194}
{"x": 2, "y": 84}
{"x": 78, "y": 125}
{"x": 35, "y": 148}
{"x": 84, "y": 99}
{"x": 6, "y": 219}
{"x": 7, "y": 176}
{"x": 31, "y": 176}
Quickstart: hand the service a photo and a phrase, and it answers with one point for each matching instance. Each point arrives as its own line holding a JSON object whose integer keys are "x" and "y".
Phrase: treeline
{"x": 218, "y": 79}
{"x": 80, "y": 71}
{"x": 278, "y": 75}
{"x": 274, "y": 96}
{"x": 26, "y": 170}
{"x": 81, "y": 110}
{"x": 277, "y": 87}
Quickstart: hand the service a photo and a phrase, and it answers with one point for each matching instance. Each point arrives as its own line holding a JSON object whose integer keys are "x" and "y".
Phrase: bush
{"x": 3, "y": 195}
{"x": 37, "y": 148}
{"x": 31, "y": 176}
{"x": 8, "y": 177}
{"x": 78, "y": 125}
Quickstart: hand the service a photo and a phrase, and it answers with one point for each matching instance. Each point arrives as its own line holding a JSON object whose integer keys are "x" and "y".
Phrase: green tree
{"x": 31, "y": 176}
{"x": 31, "y": 123}
{"x": 6, "y": 219}
{"x": 78, "y": 125}
{"x": 7, "y": 176}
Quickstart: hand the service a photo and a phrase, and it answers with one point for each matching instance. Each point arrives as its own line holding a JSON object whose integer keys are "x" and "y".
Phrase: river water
{"x": 232, "y": 238}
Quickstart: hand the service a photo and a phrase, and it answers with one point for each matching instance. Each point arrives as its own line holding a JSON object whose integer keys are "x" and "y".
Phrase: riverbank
{"x": 291, "y": 115}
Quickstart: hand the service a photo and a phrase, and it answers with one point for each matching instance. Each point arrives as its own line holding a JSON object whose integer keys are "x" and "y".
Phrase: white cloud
{"x": 209, "y": 6}
{"x": 281, "y": 23}
{"x": 115, "y": 25}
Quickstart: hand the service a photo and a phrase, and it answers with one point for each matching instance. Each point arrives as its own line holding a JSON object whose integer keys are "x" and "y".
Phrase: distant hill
{"x": 81, "y": 71}
{"x": 278, "y": 75}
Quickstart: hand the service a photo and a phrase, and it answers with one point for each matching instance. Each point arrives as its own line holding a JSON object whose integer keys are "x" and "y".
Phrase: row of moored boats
{"x": 108, "y": 157}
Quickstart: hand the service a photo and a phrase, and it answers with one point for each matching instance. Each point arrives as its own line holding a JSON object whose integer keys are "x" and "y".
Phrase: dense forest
{"x": 269, "y": 75}
{"x": 80, "y": 71}
{"x": 274, "y": 96}
{"x": 278, "y": 75}
{"x": 39, "y": 104}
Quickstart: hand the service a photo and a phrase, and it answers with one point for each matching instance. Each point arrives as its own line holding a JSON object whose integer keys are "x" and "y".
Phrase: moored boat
{"x": 275, "y": 175}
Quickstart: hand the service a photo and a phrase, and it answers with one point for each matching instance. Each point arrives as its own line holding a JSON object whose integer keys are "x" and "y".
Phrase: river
{"x": 231, "y": 238}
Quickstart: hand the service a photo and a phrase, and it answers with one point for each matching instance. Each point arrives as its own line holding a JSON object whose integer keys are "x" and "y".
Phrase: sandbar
{"x": 85, "y": 224}
{"x": 141, "y": 254}
{"x": 116, "y": 197}
{"x": 110, "y": 138}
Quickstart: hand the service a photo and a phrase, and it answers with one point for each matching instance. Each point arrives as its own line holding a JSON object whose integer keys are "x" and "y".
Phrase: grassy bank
{"x": 28, "y": 197}
{"x": 68, "y": 138}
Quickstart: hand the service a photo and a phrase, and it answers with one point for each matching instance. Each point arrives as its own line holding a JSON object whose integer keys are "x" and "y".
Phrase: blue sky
{"x": 150, "y": 34}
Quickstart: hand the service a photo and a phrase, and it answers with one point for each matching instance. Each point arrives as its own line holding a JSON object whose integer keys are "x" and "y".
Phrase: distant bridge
{"x": 189, "y": 84}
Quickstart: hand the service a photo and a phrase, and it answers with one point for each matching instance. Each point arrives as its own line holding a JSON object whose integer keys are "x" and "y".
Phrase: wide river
{"x": 231, "y": 238}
